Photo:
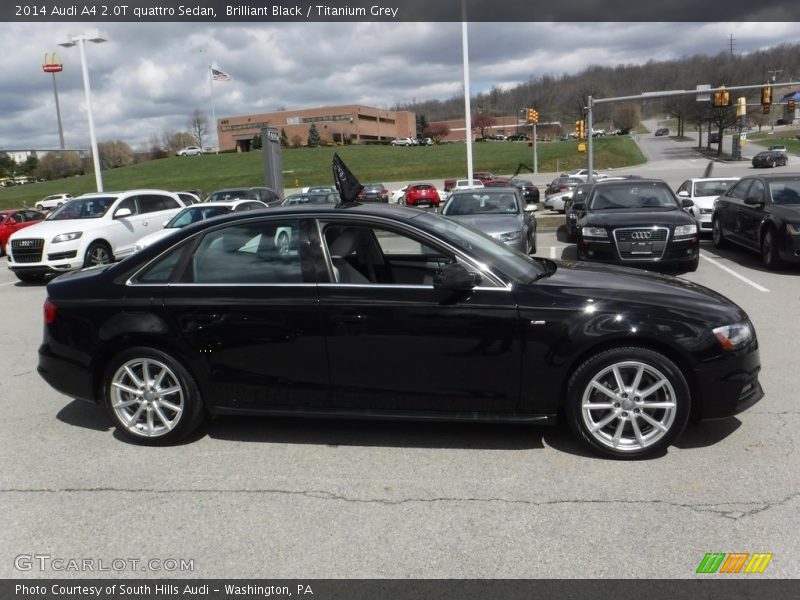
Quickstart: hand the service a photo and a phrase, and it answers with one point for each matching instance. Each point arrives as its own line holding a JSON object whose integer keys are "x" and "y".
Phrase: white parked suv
{"x": 190, "y": 151}
{"x": 89, "y": 230}
{"x": 54, "y": 201}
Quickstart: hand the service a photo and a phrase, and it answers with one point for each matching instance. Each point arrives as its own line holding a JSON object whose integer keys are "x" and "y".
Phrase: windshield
{"x": 785, "y": 191}
{"x": 639, "y": 195}
{"x": 228, "y": 195}
{"x": 196, "y": 213}
{"x": 483, "y": 202}
{"x": 712, "y": 188}
{"x": 82, "y": 208}
{"x": 487, "y": 250}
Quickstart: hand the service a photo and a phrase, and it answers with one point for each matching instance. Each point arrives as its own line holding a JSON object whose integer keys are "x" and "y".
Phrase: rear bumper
{"x": 67, "y": 377}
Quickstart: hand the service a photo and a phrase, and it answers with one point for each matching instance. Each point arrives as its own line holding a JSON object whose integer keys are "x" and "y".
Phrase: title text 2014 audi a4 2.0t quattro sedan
{"x": 216, "y": 319}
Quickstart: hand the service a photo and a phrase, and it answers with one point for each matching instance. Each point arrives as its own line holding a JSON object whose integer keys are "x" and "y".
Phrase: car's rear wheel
{"x": 97, "y": 253}
{"x": 769, "y": 249}
{"x": 627, "y": 402}
{"x": 716, "y": 234}
{"x": 151, "y": 397}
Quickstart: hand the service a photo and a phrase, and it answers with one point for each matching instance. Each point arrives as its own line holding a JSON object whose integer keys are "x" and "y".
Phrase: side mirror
{"x": 455, "y": 277}
{"x": 686, "y": 203}
{"x": 578, "y": 206}
{"x": 531, "y": 208}
{"x": 123, "y": 212}
{"x": 754, "y": 201}
{"x": 683, "y": 194}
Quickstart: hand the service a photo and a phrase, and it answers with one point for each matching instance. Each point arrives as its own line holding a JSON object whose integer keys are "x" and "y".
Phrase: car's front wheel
{"x": 769, "y": 249}
{"x": 151, "y": 397}
{"x": 97, "y": 253}
{"x": 627, "y": 402}
{"x": 716, "y": 234}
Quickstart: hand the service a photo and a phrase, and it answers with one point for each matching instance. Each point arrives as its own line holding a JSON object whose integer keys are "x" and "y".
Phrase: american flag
{"x": 218, "y": 75}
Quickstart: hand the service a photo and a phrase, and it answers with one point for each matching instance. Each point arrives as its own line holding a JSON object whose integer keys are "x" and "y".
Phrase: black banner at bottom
{"x": 400, "y": 589}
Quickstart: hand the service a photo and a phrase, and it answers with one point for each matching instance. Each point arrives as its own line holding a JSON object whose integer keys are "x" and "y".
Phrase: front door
{"x": 395, "y": 343}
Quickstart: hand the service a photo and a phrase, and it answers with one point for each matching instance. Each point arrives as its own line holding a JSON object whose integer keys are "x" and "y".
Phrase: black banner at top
{"x": 299, "y": 11}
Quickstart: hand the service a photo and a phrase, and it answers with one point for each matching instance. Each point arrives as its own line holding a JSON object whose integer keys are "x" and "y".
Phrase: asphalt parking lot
{"x": 357, "y": 499}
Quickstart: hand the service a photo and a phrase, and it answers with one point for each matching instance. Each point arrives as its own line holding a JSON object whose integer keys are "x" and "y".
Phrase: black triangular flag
{"x": 346, "y": 183}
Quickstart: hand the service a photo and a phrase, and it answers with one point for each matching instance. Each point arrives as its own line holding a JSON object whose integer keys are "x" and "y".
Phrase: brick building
{"x": 352, "y": 123}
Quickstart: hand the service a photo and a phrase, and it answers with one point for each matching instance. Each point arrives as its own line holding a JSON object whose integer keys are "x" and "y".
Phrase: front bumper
{"x": 672, "y": 251}
{"x": 726, "y": 388}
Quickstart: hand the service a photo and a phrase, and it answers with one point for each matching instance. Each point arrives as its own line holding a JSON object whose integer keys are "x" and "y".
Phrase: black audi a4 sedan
{"x": 395, "y": 313}
{"x": 636, "y": 222}
{"x": 761, "y": 213}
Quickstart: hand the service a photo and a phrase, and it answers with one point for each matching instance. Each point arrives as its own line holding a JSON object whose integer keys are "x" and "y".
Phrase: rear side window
{"x": 155, "y": 202}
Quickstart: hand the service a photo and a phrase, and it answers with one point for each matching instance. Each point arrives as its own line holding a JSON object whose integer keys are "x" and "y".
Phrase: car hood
{"x": 623, "y": 288}
{"x": 634, "y": 218}
{"x": 491, "y": 224}
{"x": 704, "y": 201}
{"x": 150, "y": 238}
{"x": 50, "y": 229}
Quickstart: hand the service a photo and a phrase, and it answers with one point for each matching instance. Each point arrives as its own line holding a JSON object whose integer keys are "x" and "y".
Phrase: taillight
{"x": 49, "y": 312}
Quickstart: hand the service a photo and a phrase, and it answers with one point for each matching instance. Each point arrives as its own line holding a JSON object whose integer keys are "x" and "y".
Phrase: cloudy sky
{"x": 149, "y": 77}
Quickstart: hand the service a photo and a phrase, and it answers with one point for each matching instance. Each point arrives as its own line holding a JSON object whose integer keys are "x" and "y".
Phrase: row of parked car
{"x": 634, "y": 220}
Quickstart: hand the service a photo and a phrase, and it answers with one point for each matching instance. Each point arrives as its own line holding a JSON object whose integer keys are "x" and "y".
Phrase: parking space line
{"x": 552, "y": 251}
{"x": 760, "y": 288}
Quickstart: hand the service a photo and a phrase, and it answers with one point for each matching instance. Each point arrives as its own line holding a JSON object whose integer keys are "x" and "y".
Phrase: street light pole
{"x": 80, "y": 40}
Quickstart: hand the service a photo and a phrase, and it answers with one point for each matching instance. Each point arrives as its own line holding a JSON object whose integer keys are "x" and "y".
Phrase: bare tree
{"x": 482, "y": 121}
{"x": 437, "y": 132}
{"x": 115, "y": 154}
{"x": 56, "y": 165}
{"x": 198, "y": 125}
{"x": 627, "y": 116}
{"x": 172, "y": 141}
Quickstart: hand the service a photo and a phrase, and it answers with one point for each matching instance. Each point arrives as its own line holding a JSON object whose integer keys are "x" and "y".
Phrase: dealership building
{"x": 352, "y": 123}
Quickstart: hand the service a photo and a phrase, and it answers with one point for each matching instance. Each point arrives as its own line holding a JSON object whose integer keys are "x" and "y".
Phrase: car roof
{"x": 701, "y": 179}
{"x": 636, "y": 181}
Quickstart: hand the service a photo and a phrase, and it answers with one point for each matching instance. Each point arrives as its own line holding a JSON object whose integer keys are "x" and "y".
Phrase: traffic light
{"x": 533, "y": 115}
{"x": 790, "y": 105}
{"x": 580, "y": 129}
{"x": 722, "y": 98}
{"x": 766, "y": 99}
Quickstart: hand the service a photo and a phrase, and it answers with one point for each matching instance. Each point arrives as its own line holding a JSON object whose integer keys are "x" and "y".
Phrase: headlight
{"x": 793, "y": 228}
{"x": 67, "y": 237}
{"x": 597, "y": 232}
{"x": 733, "y": 337}
{"x": 508, "y": 237}
{"x": 686, "y": 230}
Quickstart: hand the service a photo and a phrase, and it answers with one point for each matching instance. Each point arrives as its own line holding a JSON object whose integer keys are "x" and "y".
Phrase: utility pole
{"x": 731, "y": 42}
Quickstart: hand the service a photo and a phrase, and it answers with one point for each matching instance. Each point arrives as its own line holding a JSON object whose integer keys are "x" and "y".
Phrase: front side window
{"x": 785, "y": 192}
{"x": 739, "y": 191}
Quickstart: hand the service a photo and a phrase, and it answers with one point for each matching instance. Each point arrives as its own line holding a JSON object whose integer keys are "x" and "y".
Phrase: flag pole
{"x": 213, "y": 113}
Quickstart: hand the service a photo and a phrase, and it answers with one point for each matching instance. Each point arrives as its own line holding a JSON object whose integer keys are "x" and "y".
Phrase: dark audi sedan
{"x": 761, "y": 213}
{"x": 215, "y": 319}
{"x": 637, "y": 221}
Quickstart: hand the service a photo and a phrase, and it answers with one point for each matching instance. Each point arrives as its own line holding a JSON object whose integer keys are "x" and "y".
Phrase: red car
{"x": 422, "y": 194}
{"x": 14, "y": 219}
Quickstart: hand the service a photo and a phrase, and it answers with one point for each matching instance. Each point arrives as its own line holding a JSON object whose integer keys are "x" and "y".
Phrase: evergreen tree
{"x": 256, "y": 143}
{"x": 284, "y": 138}
{"x": 313, "y": 137}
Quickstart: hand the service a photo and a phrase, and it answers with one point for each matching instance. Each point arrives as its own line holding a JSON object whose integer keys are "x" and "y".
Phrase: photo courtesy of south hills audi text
{"x": 140, "y": 590}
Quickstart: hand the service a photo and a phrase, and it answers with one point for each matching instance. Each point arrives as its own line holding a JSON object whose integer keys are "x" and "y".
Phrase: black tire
{"x": 769, "y": 249}
{"x": 156, "y": 415}
{"x": 98, "y": 253}
{"x": 716, "y": 234}
{"x": 29, "y": 277}
{"x": 691, "y": 266}
{"x": 620, "y": 414}
{"x": 772, "y": 163}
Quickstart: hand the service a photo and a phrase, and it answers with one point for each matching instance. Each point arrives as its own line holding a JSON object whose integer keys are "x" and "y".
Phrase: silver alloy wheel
{"x": 629, "y": 406}
{"x": 147, "y": 397}
{"x": 97, "y": 255}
